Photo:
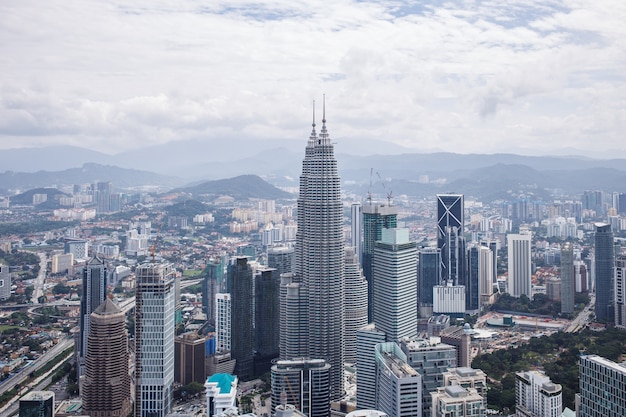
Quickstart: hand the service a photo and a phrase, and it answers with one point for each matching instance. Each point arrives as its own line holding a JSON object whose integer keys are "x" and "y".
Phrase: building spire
{"x": 313, "y": 136}
{"x": 324, "y": 137}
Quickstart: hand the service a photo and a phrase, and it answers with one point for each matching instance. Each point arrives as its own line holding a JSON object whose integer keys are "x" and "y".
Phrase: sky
{"x": 533, "y": 77}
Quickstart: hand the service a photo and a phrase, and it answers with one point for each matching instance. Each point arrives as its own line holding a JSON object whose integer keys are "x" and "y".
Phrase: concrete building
{"x": 449, "y": 300}
{"x": 77, "y": 247}
{"x": 305, "y": 383}
{"x": 536, "y": 395}
{"x": 356, "y": 230}
{"x": 486, "y": 275}
{"x": 602, "y": 387}
{"x": 355, "y": 303}
{"x": 62, "y": 263}
{"x": 189, "y": 358}
{"x": 467, "y": 378}
{"x": 619, "y": 276}
{"x": 221, "y": 393}
{"x": 568, "y": 286}
{"x": 223, "y": 322}
{"x": 5, "y": 283}
{"x": 320, "y": 255}
{"x": 394, "y": 277}
{"x": 106, "y": 383}
{"x": 398, "y": 386}
{"x": 430, "y": 358}
{"x": 460, "y": 338}
{"x": 457, "y": 401}
{"x": 366, "y": 340}
{"x": 154, "y": 339}
{"x": 520, "y": 267}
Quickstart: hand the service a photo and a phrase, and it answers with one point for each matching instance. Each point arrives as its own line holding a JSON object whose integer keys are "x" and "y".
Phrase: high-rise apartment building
{"x": 457, "y": 401}
{"x": 106, "y": 384}
{"x": 486, "y": 275}
{"x": 537, "y": 396}
{"x": 94, "y": 293}
{"x": 568, "y": 286}
{"x": 5, "y": 283}
{"x": 429, "y": 270}
{"x": 303, "y": 383}
{"x": 394, "y": 277}
{"x": 398, "y": 386}
{"x": 520, "y": 266}
{"x": 355, "y": 304}
{"x": 223, "y": 322}
{"x": 602, "y": 387}
{"x": 240, "y": 287}
{"x": 367, "y": 339}
{"x": 619, "y": 276}
{"x": 376, "y": 217}
{"x": 154, "y": 339}
{"x": 212, "y": 284}
{"x": 450, "y": 240}
{"x": 320, "y": 255}
{"x": 604, "y": 264}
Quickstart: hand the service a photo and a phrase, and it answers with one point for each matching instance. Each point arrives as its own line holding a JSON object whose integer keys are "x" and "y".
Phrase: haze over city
{"x": 528, "y": 77}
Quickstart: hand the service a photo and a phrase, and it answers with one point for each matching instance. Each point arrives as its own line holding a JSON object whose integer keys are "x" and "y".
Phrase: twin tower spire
{"x": 324, "y": 137}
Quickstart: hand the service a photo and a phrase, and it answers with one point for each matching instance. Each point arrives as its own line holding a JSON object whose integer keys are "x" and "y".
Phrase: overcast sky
{"x": 531, "y": 77}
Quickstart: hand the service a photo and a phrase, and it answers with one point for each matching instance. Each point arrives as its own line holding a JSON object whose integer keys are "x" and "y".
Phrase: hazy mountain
{"x": 241, "y": 187}
{"x": 88, "y": 173}
{"x": 52, "y": 197}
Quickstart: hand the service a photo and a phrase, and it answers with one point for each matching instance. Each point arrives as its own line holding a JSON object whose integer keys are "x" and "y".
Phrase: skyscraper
{"x": 376, "y": 217}
{"x": 280, "y": 258}
{"x": 472, "y": 284}
{"x": 320, "y": 254}
{"x": 620, "y": 291}
{"x": 428, "y": 277}
{"x": 94, "y": 293}
{"x": 520, "y": 271}
{"x": 266, "y": 318}
{"x": 398, "y": 386}
{"x": 356, "y": 225}
{"x": 223, "y": 322}
{"x": 537, "y": 395}
{"x": 356, "y": 303}
{"x": 394, "y": 277}
{"x": 605, "y": 261}
{"x": 106, "y": 385}
{"x": 367, "y": 339}
{"x": 568, "y": 286}
{"x": 242, "y": 315}
{"x": 303, "y": 383}
{"x": 154, "y": 339}
{"x": 37, "y": 404}
{"x": 450, "y": 228}
{"x": 486, "y": 275}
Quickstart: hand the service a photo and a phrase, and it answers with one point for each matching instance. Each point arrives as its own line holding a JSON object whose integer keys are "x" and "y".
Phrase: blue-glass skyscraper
{"x": 605, "y": 261}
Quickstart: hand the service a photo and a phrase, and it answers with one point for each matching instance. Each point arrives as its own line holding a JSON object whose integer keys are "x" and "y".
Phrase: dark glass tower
{"x": 242, "y": 337}
{"x": 94, "y": 293}
{"x": 450, "y": 226}
{"x": 472, "y": 292}
{"x": 428, "y": 276}
{"x": 320, "y": 255}
{"x": 267, "y": 317}
{"x": 605, "y": 261}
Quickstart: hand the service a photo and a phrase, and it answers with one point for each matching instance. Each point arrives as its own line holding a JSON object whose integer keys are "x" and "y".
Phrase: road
{"x": 582, "y": 318}
{"x": 23, "y": 374}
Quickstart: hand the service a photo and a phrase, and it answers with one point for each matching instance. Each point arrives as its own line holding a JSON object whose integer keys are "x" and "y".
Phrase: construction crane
{"x": 389, "y": 194}
{"x": 156, "y": 242}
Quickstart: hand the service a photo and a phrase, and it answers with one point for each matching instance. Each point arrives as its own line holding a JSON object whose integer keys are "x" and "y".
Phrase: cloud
{"x": 464, "y": 76}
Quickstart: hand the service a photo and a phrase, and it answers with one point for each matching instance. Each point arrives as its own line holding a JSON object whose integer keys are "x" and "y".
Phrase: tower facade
{"x": 367, "y": 339}
{"x": 428, "y": 277}
{"x": 450, "y": 241}
{"x": 398, "y": 386}
{"x": 242, "y": 315}
{"x": 602, "y": 387}
{"x": 356, "y": 303}
{"x": 394, "y": 279}
{"x": 94, "y": 293}
{"x": 620, "y": 291}
{"x": 281, "y": 258}
{"x": 303, "y": 383}
{"x": 568, "y": 286}
{"x": 486, "y": 275}
{"x": 223, "y": 322}
{"x": 320, "y": 255}
{"x": 536, "y": 395}
{"x": 106, "y": 385}
{"x": 266, "y": 318}
{"x": 520, "y": 267}
{"x": 356, "y": 226}
{"x": 605, "y": 261}
{"x": 376, "y": 217}
{"x": 154, "y": 339}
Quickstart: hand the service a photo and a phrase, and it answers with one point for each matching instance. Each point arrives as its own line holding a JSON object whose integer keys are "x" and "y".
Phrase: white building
{"x": 449, "y": 299}
{"x": 221, "y": 393}
{"x": 222, "y": 322}
{"x": 537, "y": 396}
{"x": 456, "y": 401}
{"x": 154, "y": 339}
{"x": 5, "y": 282}
{"x": 394, "y": 281}
{"x": 367, "y": 338}
{"x": 398, "y": 386}
{"x": 520, "y": 268}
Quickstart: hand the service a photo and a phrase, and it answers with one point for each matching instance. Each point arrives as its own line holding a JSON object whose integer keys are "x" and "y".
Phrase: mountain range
{"x": 417, "y": 175}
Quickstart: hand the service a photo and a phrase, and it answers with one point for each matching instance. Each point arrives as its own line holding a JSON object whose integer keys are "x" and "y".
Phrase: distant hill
{"x": 52, "y": 199}
{"x": 241, "y": 187}
{"x": 88, "y": 173}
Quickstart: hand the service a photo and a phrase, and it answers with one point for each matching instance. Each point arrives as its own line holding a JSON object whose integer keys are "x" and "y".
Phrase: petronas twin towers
{"x": 320, "y": 256}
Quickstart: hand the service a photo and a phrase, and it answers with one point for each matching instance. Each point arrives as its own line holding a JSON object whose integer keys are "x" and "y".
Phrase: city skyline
{"x": 523, "y": 77}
